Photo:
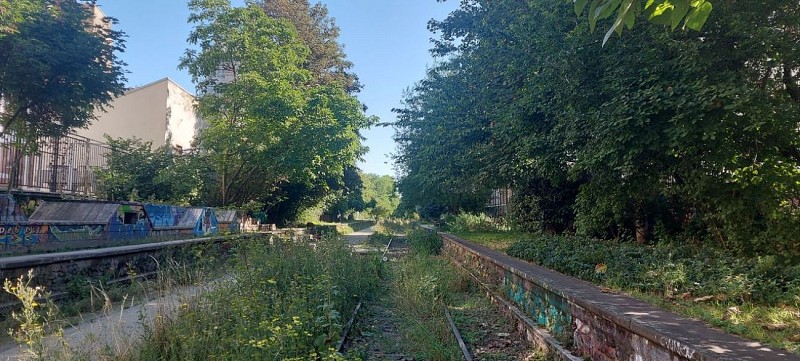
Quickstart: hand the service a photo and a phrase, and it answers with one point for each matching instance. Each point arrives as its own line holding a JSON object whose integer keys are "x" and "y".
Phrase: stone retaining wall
{"x": 595, "y": 324}
{"x": 58, "y": 272}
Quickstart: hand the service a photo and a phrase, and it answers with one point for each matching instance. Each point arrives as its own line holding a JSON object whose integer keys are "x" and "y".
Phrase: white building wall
{"x": 183, "y": 124}
{"x": 140, "y": 112}
{"x": 161, "y": 112}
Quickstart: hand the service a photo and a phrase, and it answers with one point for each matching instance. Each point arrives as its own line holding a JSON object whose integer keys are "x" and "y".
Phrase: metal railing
{"x": 60, "y": 165}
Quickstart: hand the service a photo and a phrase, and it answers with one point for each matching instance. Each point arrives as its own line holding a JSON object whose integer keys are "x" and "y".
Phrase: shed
{"x": 174, "y": 220}
{"x": 202, "y": 220}
{"x": 229, "y": 220}
{"x": 68, "y": 221}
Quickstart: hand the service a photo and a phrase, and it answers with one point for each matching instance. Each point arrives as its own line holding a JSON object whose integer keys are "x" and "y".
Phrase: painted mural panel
{"x": 21, "y": 234}
{"x": 207, "y": 223}
{"x": 162, "y": 216}
{"x": 228, "y": 219}
{"x": 10, "y": 211}
{"x": 74, "y": 232}
{"x": 130, "y": 222}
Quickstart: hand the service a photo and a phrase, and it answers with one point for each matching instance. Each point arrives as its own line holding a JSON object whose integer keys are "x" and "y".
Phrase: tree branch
{"x": 791, "y": 84}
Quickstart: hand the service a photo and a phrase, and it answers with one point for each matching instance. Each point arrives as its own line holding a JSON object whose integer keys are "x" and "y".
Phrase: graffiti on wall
{"x": 163, "y": 216}
{"x": 65, "y": 233}
{"x": 207, "y": 224}
{"x": 130, "y": 222}
{"x": 546, "y": 308}
{"x": 23, "y": 234}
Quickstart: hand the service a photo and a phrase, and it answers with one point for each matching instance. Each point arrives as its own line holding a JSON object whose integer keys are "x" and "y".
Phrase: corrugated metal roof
{"x": 190, "y": 217}
{"x": 75, "y": 212}
{"x": 226, "y": 215}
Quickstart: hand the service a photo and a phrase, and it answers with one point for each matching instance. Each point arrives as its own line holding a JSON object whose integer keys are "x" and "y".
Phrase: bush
{"x": 424, "y": 242}
{"x": 540, "y": 205}
{"x": 467, "y": 222}
{"x": 287, "y": 300}
{"x": 665, "y": 269}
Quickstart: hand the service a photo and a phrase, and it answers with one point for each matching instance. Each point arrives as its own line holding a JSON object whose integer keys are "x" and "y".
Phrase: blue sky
{"x": 387, "y": 40}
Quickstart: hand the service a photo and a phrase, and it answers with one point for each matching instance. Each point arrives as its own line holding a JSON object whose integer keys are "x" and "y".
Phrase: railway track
{"x": 375, "y": 332}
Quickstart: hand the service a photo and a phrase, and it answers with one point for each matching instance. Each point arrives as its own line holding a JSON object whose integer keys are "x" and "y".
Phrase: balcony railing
{"x": 59, "y": 165}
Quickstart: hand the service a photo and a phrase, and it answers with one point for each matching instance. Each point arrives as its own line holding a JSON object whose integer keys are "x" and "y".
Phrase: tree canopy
{"x": 692, "y": 13}
{"x": 55, "y": 67}
{"x": 275, "y": 134}
{"x": 315, "y": 28}
{"x": 664, "y": 134}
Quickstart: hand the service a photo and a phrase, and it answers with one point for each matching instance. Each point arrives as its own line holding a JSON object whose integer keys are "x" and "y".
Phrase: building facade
{"x": 161, "y": 112}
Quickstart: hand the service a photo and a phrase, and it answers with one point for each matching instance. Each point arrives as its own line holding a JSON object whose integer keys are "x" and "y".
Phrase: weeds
{"x": 754, "y": 297}
{"x": 423, "y": 286}
{"x": 468, "y": 222}
{"x": 424, "y": 242}
{"x": 36, "y": 320}
{"x": 286, "y": 300}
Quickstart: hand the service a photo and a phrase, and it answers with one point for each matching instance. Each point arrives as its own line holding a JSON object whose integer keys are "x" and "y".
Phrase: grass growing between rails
{"x": 423, "y": 285}
{"x": 757, "y": 298}
{"x": 287, "y": 300}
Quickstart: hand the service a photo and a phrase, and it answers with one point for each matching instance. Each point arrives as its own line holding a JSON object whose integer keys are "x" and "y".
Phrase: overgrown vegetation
{"x": 423, "y": 286}
{"x": 287, "y": 299}
{"x": 656, "y": 136}
{"x": 469, "y": 222}
{"x": 40, "y": 322}
{"x": 757, "y": 297}
{"x": 424, "y": 242}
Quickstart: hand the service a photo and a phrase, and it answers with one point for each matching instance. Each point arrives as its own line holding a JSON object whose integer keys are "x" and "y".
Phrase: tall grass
{"x": 468, "y": 222}
{"x": 286, "y": 300}
{"x": 423, "y": 285}
{"x": 424, "y": 242}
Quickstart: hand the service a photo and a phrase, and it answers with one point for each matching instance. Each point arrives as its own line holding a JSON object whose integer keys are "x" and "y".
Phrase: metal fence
{"x": 63, "y": 165}
{"x": 498, "y": 205}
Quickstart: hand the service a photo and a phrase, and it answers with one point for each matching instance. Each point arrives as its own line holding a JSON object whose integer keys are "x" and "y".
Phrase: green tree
{"x": 274, "y": 135}
{"x": 379, "y": 195}
{"x": 348, "y": 199}
{"x": 137, "y": 172}
{"x": 14, "y": 12}
{"x": 326, "y": 61}
{"x": 55, "y": 70}
{"x": 670, "y": 134}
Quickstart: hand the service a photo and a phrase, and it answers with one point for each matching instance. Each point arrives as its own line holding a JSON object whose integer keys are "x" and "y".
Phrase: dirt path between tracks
{"x": 378, "y": 334}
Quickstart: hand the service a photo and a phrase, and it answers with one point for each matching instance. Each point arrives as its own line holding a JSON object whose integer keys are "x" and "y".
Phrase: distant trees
{"x": 661, "y": 135}
{"x": 55, "y": 67}
{"x": 380, "y": 195}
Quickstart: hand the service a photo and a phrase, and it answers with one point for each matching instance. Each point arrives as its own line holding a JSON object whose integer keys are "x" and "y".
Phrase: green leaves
{"x": 276, "y": 134}
{"x": 659, "y": 136}
{"x": 54, "y": 71}
{"x": 698, "y": 15}
{"x": 693, "y": 13}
